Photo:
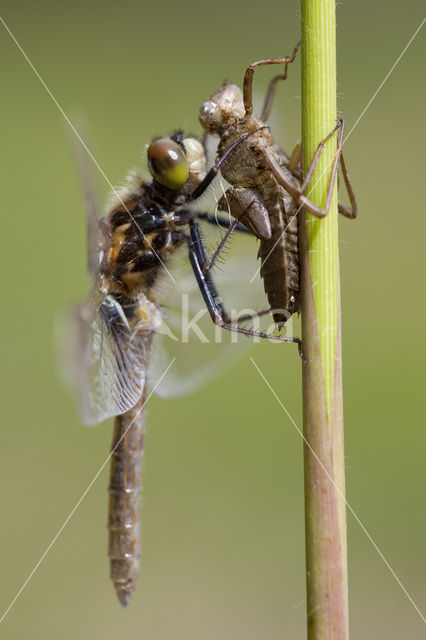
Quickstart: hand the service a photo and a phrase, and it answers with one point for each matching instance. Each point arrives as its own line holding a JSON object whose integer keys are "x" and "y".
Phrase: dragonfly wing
{"x": 200, "y": 348}
{"x": 107, "y": 359}
{"x": 95, "y": 231}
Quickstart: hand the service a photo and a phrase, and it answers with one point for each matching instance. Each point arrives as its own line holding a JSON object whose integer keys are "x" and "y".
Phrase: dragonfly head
{"x": 167, "y": 163}
{"x": 173, "y": 160}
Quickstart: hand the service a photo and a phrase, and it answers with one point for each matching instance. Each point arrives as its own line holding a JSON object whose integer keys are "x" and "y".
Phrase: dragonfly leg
{"x": 209, "y": 264}
{"x": 220, "y": 221}
{"x": 246, "y": 207}
{"x": 298, "y": 193}
{"x": 229, "y": 224}
{"x": 248, "y": 83}
{"x": 292, "y": 163}
{"x": 349, "y": 212}
{"x": 211, "y": 297}
{"x": 270, "y": 94}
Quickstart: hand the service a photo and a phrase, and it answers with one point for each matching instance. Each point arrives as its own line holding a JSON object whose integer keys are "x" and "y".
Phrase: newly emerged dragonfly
{"x": 264, "y": 192}
{"x": 114, "y": 330}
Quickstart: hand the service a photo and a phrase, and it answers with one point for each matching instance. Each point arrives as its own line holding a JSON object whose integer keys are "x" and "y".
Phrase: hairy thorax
{"x": 143, "y": 231}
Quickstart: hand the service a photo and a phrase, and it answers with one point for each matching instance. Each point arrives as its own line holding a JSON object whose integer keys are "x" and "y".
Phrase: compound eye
{"x": 167, "y": 163}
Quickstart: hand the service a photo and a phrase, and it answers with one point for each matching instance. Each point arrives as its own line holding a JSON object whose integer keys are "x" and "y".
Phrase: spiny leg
{"x": 210, "y": 294}
{"x": 251, "y": 210}
{"x": 248, "y": 82}
{"x": 204, "y": 185}
{"x": 231, "y": 226}
{"x": 246, "y": 205}
{"x": 219, "y": 221}
{"x": 208, "y": 265}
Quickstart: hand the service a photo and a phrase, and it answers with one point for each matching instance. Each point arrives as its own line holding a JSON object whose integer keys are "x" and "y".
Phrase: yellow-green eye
{"x": 167, "y": 163}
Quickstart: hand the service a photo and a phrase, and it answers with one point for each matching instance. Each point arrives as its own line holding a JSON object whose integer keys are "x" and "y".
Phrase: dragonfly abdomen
{"x": 280, "y": 254}
{"x": 124, "y": 500}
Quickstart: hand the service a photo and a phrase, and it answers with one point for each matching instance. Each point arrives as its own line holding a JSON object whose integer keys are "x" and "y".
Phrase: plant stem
{"x": 325, "y": 514}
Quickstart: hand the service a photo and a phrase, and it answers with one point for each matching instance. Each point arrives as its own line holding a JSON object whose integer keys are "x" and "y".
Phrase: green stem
{"x": 326, "y": 564}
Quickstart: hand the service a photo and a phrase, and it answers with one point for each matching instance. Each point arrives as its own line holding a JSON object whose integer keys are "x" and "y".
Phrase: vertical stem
{"x": 325, "y": 515}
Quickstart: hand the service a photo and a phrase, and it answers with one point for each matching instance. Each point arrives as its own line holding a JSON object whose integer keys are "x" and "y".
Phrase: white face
{"x": 196, "y": 158}
{"x": 223, "y": 106}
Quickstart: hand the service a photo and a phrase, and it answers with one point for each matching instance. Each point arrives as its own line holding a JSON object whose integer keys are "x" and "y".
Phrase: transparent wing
{"x": 188, "y": 334}
{"x": 102, "y": 358}
{"x": 106, "y": 359}
{"x": 95, "y": 230}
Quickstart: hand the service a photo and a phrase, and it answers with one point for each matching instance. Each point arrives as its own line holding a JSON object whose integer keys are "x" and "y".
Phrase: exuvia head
{"x": 171, "y": 162}
{"x": 223, "y": 106}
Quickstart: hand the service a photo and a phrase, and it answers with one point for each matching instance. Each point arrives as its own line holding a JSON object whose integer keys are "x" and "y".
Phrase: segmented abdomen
{"x": 279, "y": 255}
{"x": 124, "y": 499}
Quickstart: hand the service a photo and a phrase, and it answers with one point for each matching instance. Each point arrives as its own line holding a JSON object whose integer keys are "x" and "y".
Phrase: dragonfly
{"x": 116, "y": 333}
{"x": 267, "y": 187}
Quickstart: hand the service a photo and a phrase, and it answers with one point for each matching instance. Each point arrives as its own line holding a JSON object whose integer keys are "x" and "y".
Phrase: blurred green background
{"x": 223, "y": 524}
